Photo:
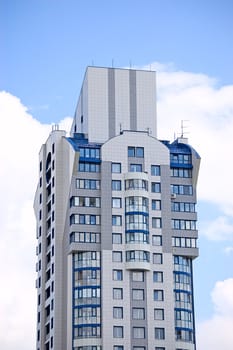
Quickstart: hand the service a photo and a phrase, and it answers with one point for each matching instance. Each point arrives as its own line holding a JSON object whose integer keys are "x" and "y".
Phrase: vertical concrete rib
{"x": 133, "y": 100}
{"x": 111, "y": 102}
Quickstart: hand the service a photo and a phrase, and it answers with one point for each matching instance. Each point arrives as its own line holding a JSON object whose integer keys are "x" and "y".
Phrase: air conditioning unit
{"x": 173, "y": 196}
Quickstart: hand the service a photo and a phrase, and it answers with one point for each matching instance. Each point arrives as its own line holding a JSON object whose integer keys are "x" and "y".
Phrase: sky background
{"x": 45, "y": 48}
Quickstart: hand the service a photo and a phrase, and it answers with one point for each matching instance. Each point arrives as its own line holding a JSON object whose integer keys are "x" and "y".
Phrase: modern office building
{"x": 116, "y": 224}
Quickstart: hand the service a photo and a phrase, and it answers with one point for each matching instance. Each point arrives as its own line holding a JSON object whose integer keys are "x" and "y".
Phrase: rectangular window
{"x": 116, "y": 167}
{"x": 117, "y": 275}
{"x": 138, "y": 313}
{"x": 88, "y": 184}
{"x": 135, "y": 152}
{"x": 156, "y": 204}
{"x": 118, "y": 312}
{"x": 181, "y": 172}
{"x": 138, "y": 294}
{"x": 158, "y": 276}
{"x": 138, "y": 276}
{"x": 116, "y": 220}
{"x": 118, "y": 347}
{"x": 138, "y": 332}
{"x": 116, "y": 202}
{"x": 159, "y": 314}
{"x": 159, "y": 333}
{"x": 135, "y": 168}
{"x": 156, "y": 240}
{"x": 117, "y": 293}
{"x": 116, "y": 185}
{"x": 156, "y": 187}
{"x": 178, "y": 224}
{"x": 117, "y": 238}
{"x": 118, "y": 332}
{"x": 156, "y": 222}
{"x": 89, "y": 167}
{"x": 186, "y": 190}
{"x": 85, "y": 201}
{"x": 158, "y": 295}
{"x": 155, "y": 170}
{"x": 157, "y": 258}
{"x": 117, "y": 256}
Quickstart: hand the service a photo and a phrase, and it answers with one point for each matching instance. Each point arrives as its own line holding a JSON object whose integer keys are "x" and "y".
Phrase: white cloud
{"x": 216, "y": 333}
{"x": 228, "y": 250}
{"x": 209, "y": 111}
{"x": 220, "y": 228}
{"x": 20, "y": 141}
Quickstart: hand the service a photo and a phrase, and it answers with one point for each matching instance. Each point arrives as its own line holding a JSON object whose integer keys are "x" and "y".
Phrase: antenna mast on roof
{"x": 183, "y": 127}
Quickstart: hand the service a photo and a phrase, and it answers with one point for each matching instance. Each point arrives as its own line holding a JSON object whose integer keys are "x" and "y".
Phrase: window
{"x": 136, "y": 152}
{"x": 159, "y": 333}
{"x": 116, "y": 185}
{"x": 138, "y": 332}
{"x": 158, "y": 276}
{"x": 181, "y": 172}
{"x": 155, "y": 170}
{"x": 138, "y": 294}
{"x": 84, "y": 219}
{"x": 178, "y": 224}
{"x": 117, "y": 238}
{"x": 117, "y": 293}
{"x": 117, "y": 275}
{"x": 156, "y": 222}
{"x": 156, "y": 204}
{"x": 138, "y": 313}
{"x": 88, "y": 184}
{"x": 116, "y": 167}
{"x": 186, "y": 190}
{"x": 133, "y": 184}
{"x": 156, "y": 240}
{"x": 118, "y": 347}
{"x": 116, "y": 202}
{"x": 138, "y": 276}
{"x": 158, "y": 295}
{"x": 184, "y": 242}
{"x": 116, "y": 220}
{"x": 159, "y": 314}
{"x": 157, "y": 258}
{"x": 180, "y": 158}
{"x": 117, "y": 256}
{"x": 155, "y": 187}
{"x": 89, "y": 167}
{"x": 89, "y": 152}
{"x": 135, "y": 167}
{"x": 118, "y": 332}
{"x": 183, "y": 206}
{"x": 85, "y": 237}
{"x": 136, "y": 203}
{"x": 118, "y": 312}
{"x": 137, "y": 255}
{"x": 161, "y": 348}
{"x": 85, "y": 201}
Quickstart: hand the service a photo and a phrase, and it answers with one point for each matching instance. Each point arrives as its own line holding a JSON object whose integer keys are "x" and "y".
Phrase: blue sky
{"x": 45, "y": 48}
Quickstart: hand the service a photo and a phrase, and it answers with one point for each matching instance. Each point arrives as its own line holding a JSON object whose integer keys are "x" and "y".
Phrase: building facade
{"x": 116, "y": 224}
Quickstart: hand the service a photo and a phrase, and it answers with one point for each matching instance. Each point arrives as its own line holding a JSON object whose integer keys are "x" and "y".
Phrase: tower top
{"x": 115, "y": 99}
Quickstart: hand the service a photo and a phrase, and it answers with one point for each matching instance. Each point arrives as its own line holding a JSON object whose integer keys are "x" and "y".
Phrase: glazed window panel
{"x": 155, "y": 170}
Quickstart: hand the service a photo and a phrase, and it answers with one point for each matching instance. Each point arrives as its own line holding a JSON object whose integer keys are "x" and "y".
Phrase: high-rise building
{"x": 116, "y": 224}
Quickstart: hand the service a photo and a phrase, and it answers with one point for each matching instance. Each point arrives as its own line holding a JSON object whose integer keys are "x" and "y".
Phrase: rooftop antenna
{"x": 183, "y": 127}
{"x": 112, "y": 62}
{"x": 130, "y": 64}
{"x": 92, "y": 63}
